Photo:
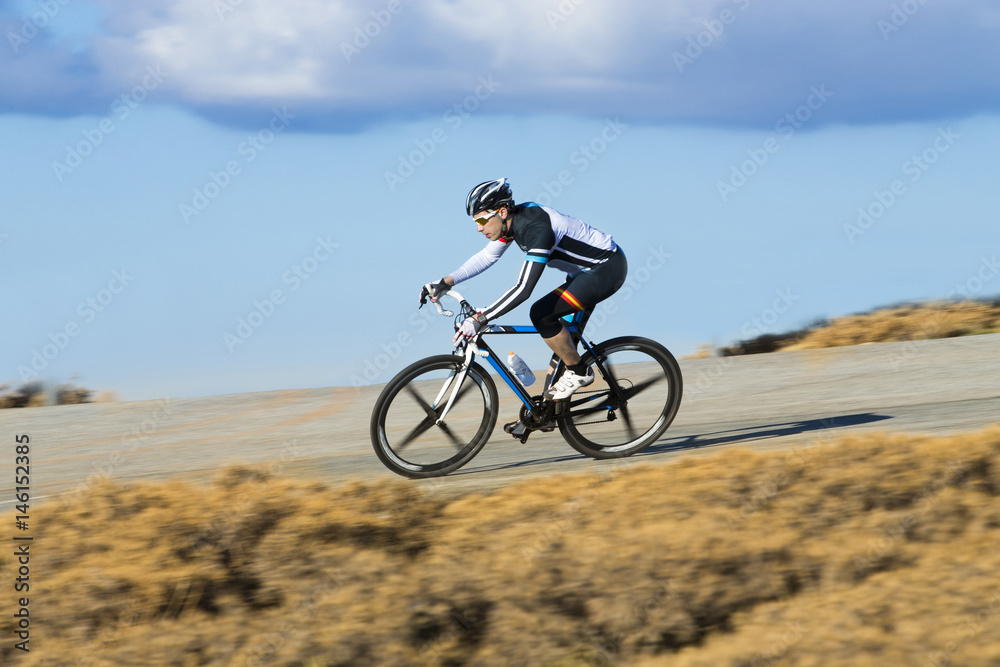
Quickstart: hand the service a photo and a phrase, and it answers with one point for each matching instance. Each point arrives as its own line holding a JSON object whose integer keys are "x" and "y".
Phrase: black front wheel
{"x": 630, "y": 404}
{"x": 406, "y": 430}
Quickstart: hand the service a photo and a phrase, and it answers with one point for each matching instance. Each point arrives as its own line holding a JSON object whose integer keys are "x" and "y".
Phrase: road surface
{"x": 768, "y": 401}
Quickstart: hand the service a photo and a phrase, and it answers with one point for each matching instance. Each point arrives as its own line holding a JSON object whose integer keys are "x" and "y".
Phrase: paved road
{"x": 778, "y": 400}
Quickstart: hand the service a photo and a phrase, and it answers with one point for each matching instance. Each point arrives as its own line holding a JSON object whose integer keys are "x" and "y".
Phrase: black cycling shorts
{"x": 581, "y": 292}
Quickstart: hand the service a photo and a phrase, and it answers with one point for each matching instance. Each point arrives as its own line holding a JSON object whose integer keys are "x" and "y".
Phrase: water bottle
{"x": 520, "y": 369}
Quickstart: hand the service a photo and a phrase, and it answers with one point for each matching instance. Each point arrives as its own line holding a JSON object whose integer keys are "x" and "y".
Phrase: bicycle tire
{"x": 587, "y": 407}
{"x": 391, "y": 439}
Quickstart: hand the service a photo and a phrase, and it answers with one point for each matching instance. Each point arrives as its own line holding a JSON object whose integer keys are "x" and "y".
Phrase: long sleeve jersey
{"x": 550, "y": 239}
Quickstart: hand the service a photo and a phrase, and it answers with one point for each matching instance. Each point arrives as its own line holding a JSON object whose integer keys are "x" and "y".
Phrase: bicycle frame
{"x": 574, "y": 324}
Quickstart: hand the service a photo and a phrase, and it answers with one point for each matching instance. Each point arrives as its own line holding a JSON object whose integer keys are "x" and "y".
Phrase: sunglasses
{"x": 485, "y": 218}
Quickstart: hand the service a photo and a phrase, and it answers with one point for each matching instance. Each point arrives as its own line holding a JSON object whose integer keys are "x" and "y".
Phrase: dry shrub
{"x": 33, "y": 395}
{"x": 871, "y": 550}
{"x": 913, "y": 321}
{"x": 704, "y": 351}
{"x": 28, "y": 395}
{"x": 909, "y": 322}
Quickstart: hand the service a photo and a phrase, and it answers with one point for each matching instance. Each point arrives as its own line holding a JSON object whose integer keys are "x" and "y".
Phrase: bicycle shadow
{"x": 752, "y": 433}
{"x": 701, "y": 440}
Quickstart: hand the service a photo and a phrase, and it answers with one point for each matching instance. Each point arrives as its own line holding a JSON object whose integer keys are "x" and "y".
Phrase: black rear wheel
{"x": 631, "y": 409}
{"x": 405, "y": 431}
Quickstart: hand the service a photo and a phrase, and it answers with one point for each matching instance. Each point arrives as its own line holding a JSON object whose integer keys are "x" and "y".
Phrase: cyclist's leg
{"x": 546, "y": 314}
{"x": 580, "y": 293}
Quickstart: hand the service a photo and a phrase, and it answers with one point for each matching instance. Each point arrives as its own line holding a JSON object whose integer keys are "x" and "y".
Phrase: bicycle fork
{"x": 461, "y": 375}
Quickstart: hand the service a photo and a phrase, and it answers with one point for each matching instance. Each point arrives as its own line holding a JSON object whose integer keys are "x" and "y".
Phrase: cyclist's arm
{"x": 531, "y": 271}
{"x": 539, "y": 239}
{"x": 479, "y": 262}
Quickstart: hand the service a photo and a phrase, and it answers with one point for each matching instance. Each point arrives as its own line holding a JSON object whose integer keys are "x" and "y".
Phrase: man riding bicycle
{"x": 595, "y": 266}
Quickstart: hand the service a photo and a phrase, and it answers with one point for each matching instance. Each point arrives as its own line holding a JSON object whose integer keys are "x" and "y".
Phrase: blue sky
{"x": 213, "y": 197}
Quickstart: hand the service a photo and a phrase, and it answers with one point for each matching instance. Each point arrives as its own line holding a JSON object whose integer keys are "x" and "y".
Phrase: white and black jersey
{"x": 550, "y": 239}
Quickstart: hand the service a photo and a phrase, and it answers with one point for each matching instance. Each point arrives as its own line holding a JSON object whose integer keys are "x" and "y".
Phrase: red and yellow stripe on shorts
{"x": 569, "y": 298}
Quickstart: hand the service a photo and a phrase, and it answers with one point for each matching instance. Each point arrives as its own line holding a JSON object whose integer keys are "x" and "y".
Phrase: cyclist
{"x": 595, "y": 266}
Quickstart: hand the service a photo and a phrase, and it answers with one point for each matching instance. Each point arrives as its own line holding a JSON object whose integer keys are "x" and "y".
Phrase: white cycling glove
{"x": 470, "y": 328}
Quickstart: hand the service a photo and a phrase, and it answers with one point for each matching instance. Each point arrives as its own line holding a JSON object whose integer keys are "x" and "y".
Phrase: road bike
{"x": 438, "y": 413}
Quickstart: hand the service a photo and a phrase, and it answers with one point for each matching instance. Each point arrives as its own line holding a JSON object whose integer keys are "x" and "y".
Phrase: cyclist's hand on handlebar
{"x": 470, "y": 328}
{"x": 433, "y": 291}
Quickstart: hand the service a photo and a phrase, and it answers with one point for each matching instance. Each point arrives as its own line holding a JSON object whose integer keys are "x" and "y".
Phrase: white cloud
{"x": 739, "y": 61}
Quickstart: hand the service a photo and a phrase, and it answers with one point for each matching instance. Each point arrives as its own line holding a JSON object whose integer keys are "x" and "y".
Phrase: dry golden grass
{"x": 910, "y": 322}
{"x": 704, "y": 351}
{"x": 876, "y": 550}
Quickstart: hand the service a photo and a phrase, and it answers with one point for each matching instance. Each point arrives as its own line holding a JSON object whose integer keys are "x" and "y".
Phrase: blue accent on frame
{"x": 513, "y": 387}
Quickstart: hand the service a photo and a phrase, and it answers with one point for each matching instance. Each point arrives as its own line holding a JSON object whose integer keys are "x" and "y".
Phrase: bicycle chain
{"x": 592, "y": 391}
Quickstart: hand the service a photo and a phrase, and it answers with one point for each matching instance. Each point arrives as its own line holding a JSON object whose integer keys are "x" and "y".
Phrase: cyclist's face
{"x": 493, "y": 226}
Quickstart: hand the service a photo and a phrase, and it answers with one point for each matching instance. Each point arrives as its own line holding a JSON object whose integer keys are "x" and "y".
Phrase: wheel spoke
{"x": 420, "y": 399}
{"x": 591, "y": 410}
{"x": 627, "y": 418}
{"x": 636, "y": 389}
{"x": 451, "y": 436}
{"x": 423, "y": 426}
{"x": 420, "y": 429}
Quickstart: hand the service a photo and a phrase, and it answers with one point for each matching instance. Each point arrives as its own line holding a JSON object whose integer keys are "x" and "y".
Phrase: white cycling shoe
{"x": 568, "y": 383}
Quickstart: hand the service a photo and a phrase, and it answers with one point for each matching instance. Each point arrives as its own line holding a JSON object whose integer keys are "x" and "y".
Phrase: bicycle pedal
{"x": 512, "y": 429}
